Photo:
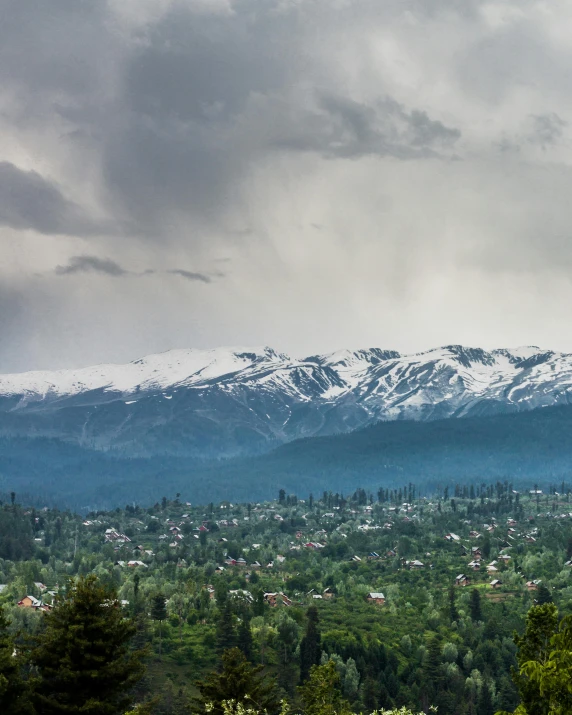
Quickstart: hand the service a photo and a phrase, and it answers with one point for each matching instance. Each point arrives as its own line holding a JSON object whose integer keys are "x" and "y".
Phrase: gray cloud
{"x": 191, "y": 276}
{"x": 195, "y": 129}
{"x": 108, "y": 267}
{"x": 547, "y": 129}
{"x": 91, "y": 264}
{"x": 30, "y": 201}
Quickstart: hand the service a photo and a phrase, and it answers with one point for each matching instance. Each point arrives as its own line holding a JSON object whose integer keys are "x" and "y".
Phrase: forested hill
{"x": 536, "y": 445}
{"x": 531, "y": 446}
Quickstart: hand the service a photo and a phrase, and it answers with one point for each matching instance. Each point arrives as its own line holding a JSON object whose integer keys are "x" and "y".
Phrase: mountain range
{"x": 239, "y": 402}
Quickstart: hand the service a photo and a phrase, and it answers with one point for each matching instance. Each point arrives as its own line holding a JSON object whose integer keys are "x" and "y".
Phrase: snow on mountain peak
{"x": 160, "y": 370}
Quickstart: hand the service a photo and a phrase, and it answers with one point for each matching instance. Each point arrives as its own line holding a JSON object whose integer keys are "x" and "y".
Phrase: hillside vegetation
{"x": 524, "y": 447}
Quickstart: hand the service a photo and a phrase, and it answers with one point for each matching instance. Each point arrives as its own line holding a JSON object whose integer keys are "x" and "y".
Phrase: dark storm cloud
{"x": 30, "y": 201}
{"x": 91, "y": 264}
{"x": 178, "y": 110}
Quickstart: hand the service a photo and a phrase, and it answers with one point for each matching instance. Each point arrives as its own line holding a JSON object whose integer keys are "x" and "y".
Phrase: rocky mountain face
{"x": 229, "y": 402}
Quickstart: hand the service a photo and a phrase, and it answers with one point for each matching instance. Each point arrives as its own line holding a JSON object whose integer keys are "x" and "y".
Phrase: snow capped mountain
{"x": 231, "y": 401}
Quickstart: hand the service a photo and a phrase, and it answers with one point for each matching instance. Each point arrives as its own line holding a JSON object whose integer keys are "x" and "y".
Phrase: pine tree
{"x": 239, "y": 681}
{"x": 244, "y": 639}
{"x": 475, "y": 605}
{"x": 534, "y": 645}
{"x": 310, "y": 646}
{"x": 14, "y": 691}
{"x": 543, "y": 595}
{"x": 453, "y": 613}
{"x": 159, "y": 613}
{"x": 83, "y": 657}
{"x": 225, "y": 633}
{"x": 485, "y": 703}
{"x": 321, "y": 692}
{"x": 432, "y": 666}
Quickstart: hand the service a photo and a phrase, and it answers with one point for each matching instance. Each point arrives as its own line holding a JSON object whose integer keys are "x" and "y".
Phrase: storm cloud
{"x": 429, "y": 142}
{"x": 30, "y": 201}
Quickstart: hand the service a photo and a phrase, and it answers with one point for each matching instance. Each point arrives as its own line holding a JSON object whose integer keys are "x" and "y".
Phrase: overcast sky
{"x": 307, "y": 174}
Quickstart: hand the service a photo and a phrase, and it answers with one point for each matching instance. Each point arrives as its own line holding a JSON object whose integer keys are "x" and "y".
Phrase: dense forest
{"x": 401, "y": 599}
{"x": 525, "y": 447}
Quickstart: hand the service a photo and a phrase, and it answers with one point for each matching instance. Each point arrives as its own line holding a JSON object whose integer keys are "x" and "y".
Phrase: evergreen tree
{"x": 485, "y": 702}
{"x": 486, "y": 547}
{"x": 453, "y": 613}
{"x": 310, "y": 646}
{"x": 321, "y": 692}
{"x": 159, "y": 613}
{"x": 543, "y": 595}
{"x": 258, "y": 605}
{"x": 14, "y": 691}
{"x": 432, "y": 669}
{"x": 533, "y": 645}
{"x": 225, "y": 633}
{"x": 475, "y": 605}
{"x": 244, "y": 639}
{"x": 82, "y": 657}
{"x": 239, "y": 681}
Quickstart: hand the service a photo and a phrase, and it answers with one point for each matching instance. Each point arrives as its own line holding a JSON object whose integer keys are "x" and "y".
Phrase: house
{"x": 29, "y": 602}
{"x": 462, "y": 580}
{"x": 241, "y": 595}
{"x": 328, "y": 593}
{"x": 112, "y": 536}
{"x": 505, "y": 557}
{"x": 372, "y": 555}
{"x": 533, "y": 585}
{"x": 474, "y": 565}
{"x": 273, "y": 599}
{"x": 40, "y": 586}
{"x": 135, "y": 564}
{"x": 376, "y": 597}
{"x": 474, "y": 535}
{"x": 495, "y": 583}
{"x": 415, "y": 564}
{"x": 241, "y": 562}
{"x": 452, "y": 537}
{"x": 491, "y": 569}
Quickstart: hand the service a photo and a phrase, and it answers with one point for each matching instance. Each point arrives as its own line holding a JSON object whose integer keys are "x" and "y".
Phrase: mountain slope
{"x": 227, "y": 402}
{"x": 523, "y": 448}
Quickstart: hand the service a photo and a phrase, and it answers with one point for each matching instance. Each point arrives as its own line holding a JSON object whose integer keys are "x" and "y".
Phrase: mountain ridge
{"x": 229, "y": 402}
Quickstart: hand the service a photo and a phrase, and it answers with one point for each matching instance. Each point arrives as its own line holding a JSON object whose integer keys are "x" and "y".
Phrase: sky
{"x": 304, "y": 174}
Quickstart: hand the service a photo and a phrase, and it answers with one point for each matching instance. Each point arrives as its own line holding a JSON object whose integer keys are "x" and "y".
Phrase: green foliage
{"x": 321, "y": 693}
{"x": 239, "y": 682}
{"x": 475, "y": 605}
{"x": 16, "y": 542}
{"x": 82, "y": 657}
{"x": 310, "y": 647}
{"x": 14, "y": 691}
{"x": 545, "y": 660}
